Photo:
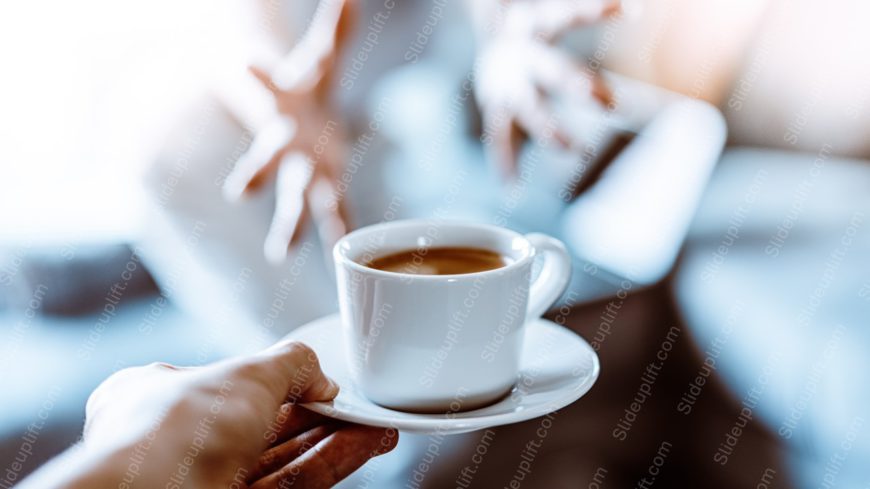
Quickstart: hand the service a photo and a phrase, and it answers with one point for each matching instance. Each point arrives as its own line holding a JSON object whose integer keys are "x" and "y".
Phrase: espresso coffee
{"x": 439, "y": 261}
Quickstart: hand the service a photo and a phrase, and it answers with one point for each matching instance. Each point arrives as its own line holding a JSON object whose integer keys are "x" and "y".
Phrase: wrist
{"x": 146, "y": 462}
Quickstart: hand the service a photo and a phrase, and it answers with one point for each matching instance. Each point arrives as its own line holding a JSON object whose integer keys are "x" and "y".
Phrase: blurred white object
{"x": 86, "y": 106}
{"x": 633, "y": 221}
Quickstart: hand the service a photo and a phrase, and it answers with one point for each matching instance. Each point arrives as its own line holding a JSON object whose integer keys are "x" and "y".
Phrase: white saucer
{"x": 556, "y": 368}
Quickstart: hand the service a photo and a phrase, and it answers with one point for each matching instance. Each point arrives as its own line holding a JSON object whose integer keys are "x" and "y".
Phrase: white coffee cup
{"x": 430, "y": 343}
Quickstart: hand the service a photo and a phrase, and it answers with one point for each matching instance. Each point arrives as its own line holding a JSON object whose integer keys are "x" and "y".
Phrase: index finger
{"x": 260, "y": 159}
{"x": 310, "y": 63}
{"x": 290, "y": 371}
{"x": 294, "y": 175}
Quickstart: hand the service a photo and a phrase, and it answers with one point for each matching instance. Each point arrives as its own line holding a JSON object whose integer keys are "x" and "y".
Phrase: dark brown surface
{"x": 579, "y": 449}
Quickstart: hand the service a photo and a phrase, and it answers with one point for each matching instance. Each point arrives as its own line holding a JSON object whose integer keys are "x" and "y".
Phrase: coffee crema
{"x": 454, "y": 260}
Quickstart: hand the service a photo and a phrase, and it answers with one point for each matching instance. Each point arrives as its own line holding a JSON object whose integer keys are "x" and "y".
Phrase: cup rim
{"x": 340, "y": 257}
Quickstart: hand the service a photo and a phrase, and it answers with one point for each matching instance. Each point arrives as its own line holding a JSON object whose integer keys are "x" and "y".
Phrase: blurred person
{"x": 234, "y": 423}
{"x": 278, "y": 183}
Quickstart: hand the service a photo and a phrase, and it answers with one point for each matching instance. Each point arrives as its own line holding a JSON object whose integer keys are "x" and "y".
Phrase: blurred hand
{"x": 229, "y": 423}
{"x": 302, "y": 149}
{"x": 519, "y": 68}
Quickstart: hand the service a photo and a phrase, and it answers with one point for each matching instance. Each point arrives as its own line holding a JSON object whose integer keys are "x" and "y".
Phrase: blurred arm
{"x": 78, "y": 468}
{"x": 633, "y": 220}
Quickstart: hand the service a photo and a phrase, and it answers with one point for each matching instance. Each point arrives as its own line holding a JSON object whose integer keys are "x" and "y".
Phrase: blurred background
{"x": 120, "y": 123}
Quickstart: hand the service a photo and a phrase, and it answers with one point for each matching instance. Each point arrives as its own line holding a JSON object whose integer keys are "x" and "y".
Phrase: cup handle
{"x": 554, "y": 276}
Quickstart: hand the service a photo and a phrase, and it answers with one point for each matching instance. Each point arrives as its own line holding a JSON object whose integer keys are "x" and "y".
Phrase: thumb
{"x": 291, "y": 372}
